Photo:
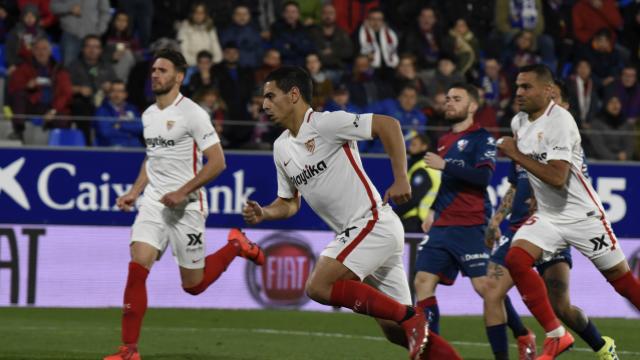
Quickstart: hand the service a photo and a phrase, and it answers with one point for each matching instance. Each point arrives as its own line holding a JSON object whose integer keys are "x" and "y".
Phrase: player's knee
{"x": 423, "y": 282}
{"x": 317, "y": 292}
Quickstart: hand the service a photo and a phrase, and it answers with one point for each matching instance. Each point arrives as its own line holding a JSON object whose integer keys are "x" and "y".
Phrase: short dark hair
{"x": 289, "y": 3}
{"x": 90, "y": 37}
{"x": 423, "y": 138}
{"x": 204, "y": 54}
{"x": 287, "y": 77}
{"x": 471, "y": 90}
{"x": 564, "y": 90}
{"x": 175, "y": 57}
{"x": 542, "y": 71}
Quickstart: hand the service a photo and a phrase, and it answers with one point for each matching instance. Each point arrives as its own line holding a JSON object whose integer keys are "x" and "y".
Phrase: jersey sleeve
{"x": 343, "y": 126}
{"x": 560, "y": 140}
{"x": 202, "y": 130}
{"x": 486, "y": 151}
{"x": 286, "y": 188}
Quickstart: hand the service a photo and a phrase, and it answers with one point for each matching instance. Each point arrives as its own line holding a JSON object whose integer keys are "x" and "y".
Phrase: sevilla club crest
{"x": 311, "y": 145}
{"x": 170, "y": 124}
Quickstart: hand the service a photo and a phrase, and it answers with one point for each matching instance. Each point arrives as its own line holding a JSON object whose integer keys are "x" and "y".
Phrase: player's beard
{"x": 457, "y": 117}
{"x": 164, "y": 89}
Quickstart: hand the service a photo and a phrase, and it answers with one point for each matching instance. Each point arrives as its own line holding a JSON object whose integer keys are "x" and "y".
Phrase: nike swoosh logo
{"x": 287, "y": 162}
{"x": 440, "y": 148}
{"x": 196, "y": 260}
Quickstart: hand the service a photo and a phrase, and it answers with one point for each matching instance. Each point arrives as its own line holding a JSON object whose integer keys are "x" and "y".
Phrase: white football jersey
{"x": 323, "y": 163}
{"x": 555, "y": 136}
{"x": 175, "y": 137}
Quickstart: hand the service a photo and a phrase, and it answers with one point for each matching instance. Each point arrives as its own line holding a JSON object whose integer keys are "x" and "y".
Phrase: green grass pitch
{"x": 57, "y": 334}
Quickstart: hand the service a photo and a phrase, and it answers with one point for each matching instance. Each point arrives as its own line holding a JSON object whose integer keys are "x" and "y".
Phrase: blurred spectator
{"x": 310, "y": 11}
{"x": 270, "y": 61}
{"x": 629, "y": 37}
{"x": 202, "y": 77}
{"x": 557, "y": 25}
{"x": 494, "y": 84}
{"x": 121, "y": 47}
{"x": 438, "y": 125}
{"x": 365, "y": 88}
{"x": 77, "y": 20}
{"x": 612, "y": 146}
{"x": 118, "y": 122}
{"x": 487, "y": 117}
{"x": 379, "y": 43}
{"x": 222, "y": 10}
{"x": 265, "y": 132}
{"x": 425, "y": 183}
{"x": 627, "y": 90}
{"x": 403, "y": 108}
{"x": 591, "y": 16}
{"x": 22, "y": 36}
{"x": 322, "y": 85}
{"x": 198, "y": 33}
{"x": 521, "y": 52}
{"x": 209, "y": 99}
{"x": 39, "y": 86}
{"x": 466, "y": 48}
{"x": 603, "y": 57}
{"x": 441, "y": 78}
{"x": 428, "y": 40}
{"x": 340, "y": 101}
{"x": 246, "y": 36}
{"x": 479, "y": 15}
{"x": 7, "y": 19}
{"x": 140, "y": 13}
{"x": 46, "y": 19}
{"x": 91, "y": 78}
{"x": 583, "y": 94}
{"x": 268, "y": 13}
{"x": 166, "y": 14}
{"x": 332, "y": 43}
{"x": 290, "y": 37}
{"x": 407, "y": 75}
{"x": 236, "y": 85}
{"x": 351, "y": 14}
{"x": 513, "y": 17}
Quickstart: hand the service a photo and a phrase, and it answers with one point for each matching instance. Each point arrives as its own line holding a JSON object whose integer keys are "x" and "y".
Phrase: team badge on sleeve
{"x": 311, "y": 145}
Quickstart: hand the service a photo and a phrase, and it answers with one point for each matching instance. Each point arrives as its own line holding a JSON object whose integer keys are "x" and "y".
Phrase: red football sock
{"x": 439, "y": 348}
{"x": 214, "y": 265}
{"x": 135, "y": 303}
{"x": 531, "y": 287}
{"x": 364, "y": 299}
{"x": 629, "y": 287}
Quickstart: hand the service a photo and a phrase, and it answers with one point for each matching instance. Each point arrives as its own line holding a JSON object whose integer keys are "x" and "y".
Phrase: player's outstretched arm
{"x": 214, "y": 166}
{"x": 388, "y": 130}
{"x": 280, "y": 208}
{"x": 126, "y": 201}
{"x": 554, "y": 172}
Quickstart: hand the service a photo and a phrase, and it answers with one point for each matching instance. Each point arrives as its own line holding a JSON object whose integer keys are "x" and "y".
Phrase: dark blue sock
{"x": 497, "y": 335}
{"x": 513, "y": 319}
{"x": 430, "y": 306}
{"x": 592, "y": 336}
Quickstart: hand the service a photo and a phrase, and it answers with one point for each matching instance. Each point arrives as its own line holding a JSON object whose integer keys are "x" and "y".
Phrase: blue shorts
{"x": 450, "y": 249}
{"x": 500, "y": 252}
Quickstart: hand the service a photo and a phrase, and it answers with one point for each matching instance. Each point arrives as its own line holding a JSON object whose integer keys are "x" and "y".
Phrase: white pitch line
{"x": 271, "y": 332}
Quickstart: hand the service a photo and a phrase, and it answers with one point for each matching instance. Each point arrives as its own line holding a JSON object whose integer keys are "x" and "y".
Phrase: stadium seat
{"x": 66, "y": 137}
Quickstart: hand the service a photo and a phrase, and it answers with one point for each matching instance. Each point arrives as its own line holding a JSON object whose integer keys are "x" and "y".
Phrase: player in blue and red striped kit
{"x": 455, "y": 241}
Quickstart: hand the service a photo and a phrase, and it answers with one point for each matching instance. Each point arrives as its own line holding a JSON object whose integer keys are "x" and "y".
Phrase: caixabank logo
{"x": 281, "y": 280}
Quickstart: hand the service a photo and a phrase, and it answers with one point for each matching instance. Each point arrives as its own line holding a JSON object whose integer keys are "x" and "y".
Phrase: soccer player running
{"x": 456, "y": 226}
{"x": 569, "y": 212}
{"x": 174, "y": 208}
{"x": 317, "y": 157}
{"x": 518, "y": 201}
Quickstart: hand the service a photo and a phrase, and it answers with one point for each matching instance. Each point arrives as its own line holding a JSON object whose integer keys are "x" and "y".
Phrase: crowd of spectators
{"x": 68, "y": 61}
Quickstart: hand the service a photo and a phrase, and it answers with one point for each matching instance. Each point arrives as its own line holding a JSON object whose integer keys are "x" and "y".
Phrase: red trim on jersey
{"x": 180, "y": 100}
{"x": 195, "y": 169}
{"x": 374, "y": 210}
{"x": 365, "y": 231}
{"x": 603, "y": 218}
{"x": 309, "y": 116}
{"x": 551, "y": 108}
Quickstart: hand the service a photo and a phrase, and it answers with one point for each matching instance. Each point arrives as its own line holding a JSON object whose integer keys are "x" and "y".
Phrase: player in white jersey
{"x": 317, "y": 157}
{"x": 547, "y": 144}
{"x": 174, "y": 207}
